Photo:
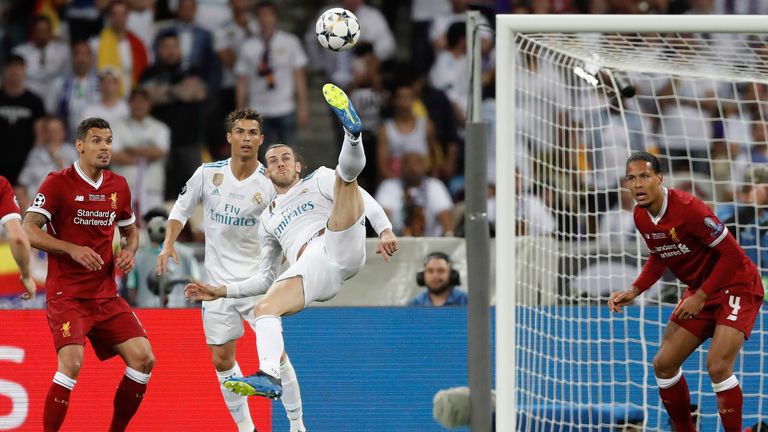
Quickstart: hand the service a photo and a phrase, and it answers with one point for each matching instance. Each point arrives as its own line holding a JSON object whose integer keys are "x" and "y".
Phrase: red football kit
{"x": 687, "y": 238}
{"x": 9, "y": 207}
{"x": 81, "y": 302}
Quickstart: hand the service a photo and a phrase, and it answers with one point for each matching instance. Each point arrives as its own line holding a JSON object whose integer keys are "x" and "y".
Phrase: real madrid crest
{"x": 218, "y": 178}
{"x": 257, "y": 198}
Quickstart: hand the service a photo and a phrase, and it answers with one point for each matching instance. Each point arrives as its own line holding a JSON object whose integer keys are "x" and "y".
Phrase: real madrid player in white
{"x": 319, "y": 224}
{"x": 234, "y": 192}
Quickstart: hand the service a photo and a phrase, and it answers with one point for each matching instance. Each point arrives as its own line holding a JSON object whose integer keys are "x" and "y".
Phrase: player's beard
{"x": 440, "y": 289}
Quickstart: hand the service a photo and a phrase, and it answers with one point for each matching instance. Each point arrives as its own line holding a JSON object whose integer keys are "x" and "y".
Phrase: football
{"x": 337, "y": 29}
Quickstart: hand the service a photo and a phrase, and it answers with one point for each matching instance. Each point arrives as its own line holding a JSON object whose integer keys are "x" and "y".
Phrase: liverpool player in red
{"x": 81, "y": 206}
{"x": 722, "y": 300}
{"x": 11, "y": 220}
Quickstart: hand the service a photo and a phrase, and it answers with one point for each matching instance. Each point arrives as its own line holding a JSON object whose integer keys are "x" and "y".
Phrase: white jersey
{"x": 295, "y": 218}
{"x": 231, "y": 218}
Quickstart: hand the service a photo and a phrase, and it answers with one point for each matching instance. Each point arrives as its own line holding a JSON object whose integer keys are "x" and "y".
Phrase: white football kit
{"x": 231, "y": 223}
{"x": 299, "y": 217}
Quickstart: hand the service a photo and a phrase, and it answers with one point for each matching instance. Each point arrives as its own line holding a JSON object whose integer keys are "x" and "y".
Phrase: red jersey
{"x": 687, "y": 238}
{"x": 85, "y": 213}
{"x": 9, "y": 207}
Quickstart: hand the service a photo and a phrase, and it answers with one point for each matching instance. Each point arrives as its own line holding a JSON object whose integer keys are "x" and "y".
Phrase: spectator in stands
{"x": 451, "y": 68}
{"x": 417, "y": 205}
{"x": 438, "y": 33}
{"x": 196, "y": 44}
{"x": 177, "y": 96}
{"x": 338, "y": 65}
{"x": 140, "y": 151}
{"x": 54, "y": 153}
{"x": 433, "y": 103}
{"x": 112, "y": 106}
{"x": 404, "y": 133}
{"x": 617, "y": 225}
{"x": 141, "y": 20}
{"x": 19, "y": 109}
{"x": 367, "y": 95}
{"x": 442, "y": 282}
{"x": 271, "y": 78}
{"x": 749, "y": 223}
{"x": 423, "y": 13}
{"x": 533, "y": 216}
{"x": 145, "y": 288}
{"x": 119, "y": 48}
{"x": 74, "y": 91}
{"x": 45, "y": 57}
{"x": 85, "y": 18}
{"x": 228, "y": 40}
{"x": 211, "y": 14}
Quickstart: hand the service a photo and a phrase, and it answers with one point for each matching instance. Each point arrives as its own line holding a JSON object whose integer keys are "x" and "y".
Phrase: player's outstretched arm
{"x": 172, "y": 231}
{"x": 39, "y": 239}
{"x": 19, "y": 244}
{"x": 622, "y": 298}
{"x": 199, "y": 291}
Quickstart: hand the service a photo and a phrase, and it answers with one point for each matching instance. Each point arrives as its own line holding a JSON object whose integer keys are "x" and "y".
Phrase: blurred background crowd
{"x": 164, "y": 73}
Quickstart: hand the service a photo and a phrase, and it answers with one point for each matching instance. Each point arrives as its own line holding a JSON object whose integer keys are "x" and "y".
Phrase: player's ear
{"x": 229, "y": 137}
{"x": 79, "y": 145}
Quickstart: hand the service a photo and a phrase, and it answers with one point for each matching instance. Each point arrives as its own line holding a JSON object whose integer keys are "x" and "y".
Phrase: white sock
{"x": 728, "y": 384}
{"x": 351, "y": 158}
{"x": 269, "y": 343}
{"x": 291, "y": 394}
{"x": 665, "y": 383}
{"x": 139, "y": 377}
{"x": 237, "y": 405}
{"x": 64, "y": 381}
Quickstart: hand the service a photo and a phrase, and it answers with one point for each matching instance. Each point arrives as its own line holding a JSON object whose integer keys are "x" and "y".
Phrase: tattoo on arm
{"x": 36, "y": 219}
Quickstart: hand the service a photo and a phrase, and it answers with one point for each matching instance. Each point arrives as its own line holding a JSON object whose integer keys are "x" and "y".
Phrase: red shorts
{"x": 737, "y": 307}
{"x": 106, "y": 322}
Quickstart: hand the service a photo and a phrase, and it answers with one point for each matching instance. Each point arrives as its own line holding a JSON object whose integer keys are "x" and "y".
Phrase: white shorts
{"x": 223, "y": 319}
{"x": 328, "y": 261}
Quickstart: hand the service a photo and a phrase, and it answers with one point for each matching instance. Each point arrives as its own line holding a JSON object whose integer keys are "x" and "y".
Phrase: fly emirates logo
{"x": 94, "y": 217}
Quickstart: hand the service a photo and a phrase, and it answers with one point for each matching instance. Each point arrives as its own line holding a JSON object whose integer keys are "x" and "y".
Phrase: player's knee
{"x": 145, "y": 362}
{"x": 223, "y": 362}
{"x": 718, "y": 369}
{"x": 663, "y": 368}
{"x": 70, "y": 366}
{"x": 263, "y": 308}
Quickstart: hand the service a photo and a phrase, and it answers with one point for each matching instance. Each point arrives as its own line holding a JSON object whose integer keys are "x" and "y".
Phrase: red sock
{"x": 57, "y": 402}
{"x": 729, "y": 403}
{"x": 677, "y": 400}
{"x": 128, "y": 397}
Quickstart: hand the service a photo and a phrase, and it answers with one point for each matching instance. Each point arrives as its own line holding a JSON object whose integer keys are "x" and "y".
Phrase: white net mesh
{"x": 699, "y": 104}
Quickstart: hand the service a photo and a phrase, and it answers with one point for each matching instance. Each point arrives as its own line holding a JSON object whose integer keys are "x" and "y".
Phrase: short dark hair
{"x": 243, "y": 114}
{"x": 113, "y": 3}
{"x": 645, "y": 157}
{"x": 265, "y": 4}
{"x": 40, "y": 18}
{"x": 456, "y": 32}
{"x": 88, "y": 124}
{"x": 139, "y": 91}
{"x": 15, "y": 59}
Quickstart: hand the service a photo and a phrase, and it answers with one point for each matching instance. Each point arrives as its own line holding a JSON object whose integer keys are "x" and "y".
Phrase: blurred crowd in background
{"x": 165, "y": 73}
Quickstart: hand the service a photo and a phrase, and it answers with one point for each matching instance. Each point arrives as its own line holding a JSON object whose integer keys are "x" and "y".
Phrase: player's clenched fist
{"x": 622, "y": 298}
{"x": 387, "y": 244}
{"x": 199, "y": 291}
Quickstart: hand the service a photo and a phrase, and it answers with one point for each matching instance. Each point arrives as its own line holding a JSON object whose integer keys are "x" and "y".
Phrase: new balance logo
{"x": 79, "y": 198}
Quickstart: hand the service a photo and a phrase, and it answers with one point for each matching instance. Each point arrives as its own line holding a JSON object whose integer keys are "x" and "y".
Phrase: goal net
{"x": 571, "y": 108}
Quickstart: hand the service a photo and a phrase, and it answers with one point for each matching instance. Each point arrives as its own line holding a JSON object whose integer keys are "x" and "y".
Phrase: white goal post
{"x": 575, "y": 45}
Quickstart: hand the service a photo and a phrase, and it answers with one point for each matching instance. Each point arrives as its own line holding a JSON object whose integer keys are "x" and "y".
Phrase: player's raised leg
{"x": 139, "y": 361}
{"x": 291, "y": 397}
{"x": 677, "y": 344}
{"x": 226, "y": 368}
{"x": 725, "y": 347}
{"x": 347, "y": 201}
{"x": 70, "y": 358}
